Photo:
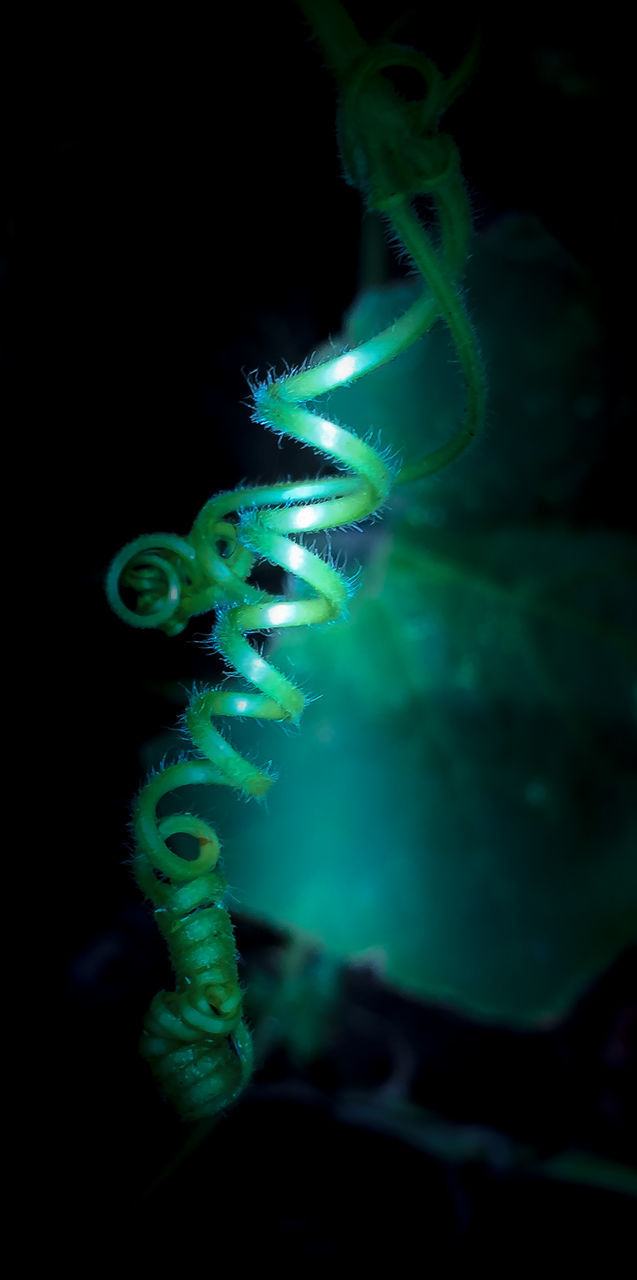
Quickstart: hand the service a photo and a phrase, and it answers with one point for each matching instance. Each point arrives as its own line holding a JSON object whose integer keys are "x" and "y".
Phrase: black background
{"x": 175, "y": 215}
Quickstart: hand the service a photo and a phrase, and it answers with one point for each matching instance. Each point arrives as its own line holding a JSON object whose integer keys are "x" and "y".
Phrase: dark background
{"x": 175, "y": 214}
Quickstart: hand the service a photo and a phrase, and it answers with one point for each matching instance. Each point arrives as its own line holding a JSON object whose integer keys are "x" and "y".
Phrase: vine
{"x": 195, "y": 1037}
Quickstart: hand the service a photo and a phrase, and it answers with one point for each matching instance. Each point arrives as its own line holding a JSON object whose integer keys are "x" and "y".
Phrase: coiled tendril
{"x": 194, "y": 1036}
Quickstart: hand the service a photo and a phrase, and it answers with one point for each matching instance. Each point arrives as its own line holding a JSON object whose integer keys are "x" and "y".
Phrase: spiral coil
{"x": 195, "y": 1037}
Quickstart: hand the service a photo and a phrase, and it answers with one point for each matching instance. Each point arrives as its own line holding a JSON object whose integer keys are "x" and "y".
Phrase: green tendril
{"x": 194, "y": 1037}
